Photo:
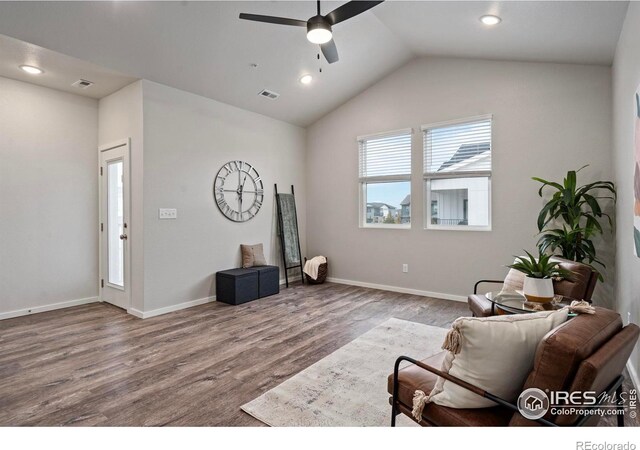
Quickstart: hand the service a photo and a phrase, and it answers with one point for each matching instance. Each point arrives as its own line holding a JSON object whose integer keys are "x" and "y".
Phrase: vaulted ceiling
{"x": 202, "y": 47}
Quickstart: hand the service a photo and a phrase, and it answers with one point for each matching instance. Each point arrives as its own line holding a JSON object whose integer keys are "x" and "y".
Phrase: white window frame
{"x": 363, "y": 181}
{"x": 479, "y": 174}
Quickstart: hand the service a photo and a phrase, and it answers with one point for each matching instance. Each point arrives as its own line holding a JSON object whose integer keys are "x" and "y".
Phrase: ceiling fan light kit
{"x": 319, "y": 27}
{"x": 318, "y": 30}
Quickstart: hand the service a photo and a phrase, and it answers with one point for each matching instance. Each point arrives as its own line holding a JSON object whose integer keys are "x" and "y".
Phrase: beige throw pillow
{"x": 252, "y": 255}
{"x": 514, "y": 281}
{"x": 493, "y": 353}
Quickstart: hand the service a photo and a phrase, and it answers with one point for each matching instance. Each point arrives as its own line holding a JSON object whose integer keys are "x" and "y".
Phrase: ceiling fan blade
{"x": 272, "y": 19}
{"x": 329, "y": 51}
{"x": 349, "y": 10}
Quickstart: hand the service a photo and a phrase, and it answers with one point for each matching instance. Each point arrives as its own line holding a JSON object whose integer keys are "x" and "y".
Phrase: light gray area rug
{"x": 348, "y": 387}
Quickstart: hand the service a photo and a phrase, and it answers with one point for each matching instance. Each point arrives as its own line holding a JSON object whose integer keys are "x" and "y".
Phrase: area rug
{"x": 348, "y": 387}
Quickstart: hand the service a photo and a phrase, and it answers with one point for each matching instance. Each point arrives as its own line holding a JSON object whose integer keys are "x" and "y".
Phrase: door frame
{"x": 127, "y": 199}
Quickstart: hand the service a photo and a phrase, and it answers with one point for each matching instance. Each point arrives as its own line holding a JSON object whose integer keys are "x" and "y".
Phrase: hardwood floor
{"x": 96, "y": 365}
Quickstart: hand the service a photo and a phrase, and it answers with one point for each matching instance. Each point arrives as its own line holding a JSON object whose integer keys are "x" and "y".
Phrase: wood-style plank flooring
{"x": 96, "y": 365}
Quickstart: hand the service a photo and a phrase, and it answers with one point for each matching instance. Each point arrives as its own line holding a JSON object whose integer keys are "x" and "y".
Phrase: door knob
{"x": 123, "y": 236}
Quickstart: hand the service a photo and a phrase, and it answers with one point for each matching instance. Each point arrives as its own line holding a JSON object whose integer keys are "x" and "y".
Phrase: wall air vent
{"x": 269, "y": 94}
{"x": 82, "y": 84}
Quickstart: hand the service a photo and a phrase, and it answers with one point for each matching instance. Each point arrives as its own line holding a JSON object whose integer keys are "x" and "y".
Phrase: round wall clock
{"x": 238, "y": 191}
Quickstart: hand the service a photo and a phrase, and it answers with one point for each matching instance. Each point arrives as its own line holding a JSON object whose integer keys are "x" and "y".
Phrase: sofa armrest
{"x": 475, "y": 286}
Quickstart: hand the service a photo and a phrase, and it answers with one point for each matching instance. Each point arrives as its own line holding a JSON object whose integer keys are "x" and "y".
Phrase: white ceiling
{"x": 61, "y": 71}
{"x": 580, "y": 32}
{"x": 203, "y": 47}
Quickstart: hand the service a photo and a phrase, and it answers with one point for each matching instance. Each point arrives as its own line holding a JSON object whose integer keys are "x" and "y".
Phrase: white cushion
{"x": 514, "y": 281}
{"x": 493, "y": 353}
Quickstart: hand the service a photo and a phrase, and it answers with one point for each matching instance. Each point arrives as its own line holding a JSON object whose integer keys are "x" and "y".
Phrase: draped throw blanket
{"x": 312, "y": 265}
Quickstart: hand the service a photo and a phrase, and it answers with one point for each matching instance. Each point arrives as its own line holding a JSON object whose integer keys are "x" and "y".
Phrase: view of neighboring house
{"x": 377, "y": 212}
{"x": 405, "y": 209}
{"x": 462, "y": 201}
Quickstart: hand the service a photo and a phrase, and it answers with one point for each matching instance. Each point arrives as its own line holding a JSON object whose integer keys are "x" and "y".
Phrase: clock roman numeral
{"x": 234, "y": 166}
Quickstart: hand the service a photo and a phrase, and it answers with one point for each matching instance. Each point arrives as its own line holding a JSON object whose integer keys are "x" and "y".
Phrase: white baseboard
{"x": 633, "y": 374}
{"x": 384, "y": 287}
{"x": 50, "y": 307}
{"x": 185, "y": 305}
{"x": 168, "y": 309}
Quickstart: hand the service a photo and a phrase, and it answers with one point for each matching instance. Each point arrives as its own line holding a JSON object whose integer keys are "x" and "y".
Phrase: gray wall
{"x": 548, "y": 118}
{"x": 48, "y": 198}
{"x": 626, "y": 80}
{"x": 187, "y": 138}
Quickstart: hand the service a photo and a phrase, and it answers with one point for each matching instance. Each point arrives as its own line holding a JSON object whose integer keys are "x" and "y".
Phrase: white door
{"x": 114, "y": 224}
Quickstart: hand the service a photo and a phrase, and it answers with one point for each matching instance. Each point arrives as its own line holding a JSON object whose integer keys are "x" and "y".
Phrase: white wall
{"x": 548, "y": 118}
{"x": 187, "y": 138}
{"x": 48, "y": 198}
{"x": 120, "y": 117}
{"x": 626, "y": 80}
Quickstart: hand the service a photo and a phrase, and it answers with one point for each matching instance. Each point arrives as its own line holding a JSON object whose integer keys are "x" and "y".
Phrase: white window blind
{"x": 385, "y": 157}
{"x": 459, "y": 149}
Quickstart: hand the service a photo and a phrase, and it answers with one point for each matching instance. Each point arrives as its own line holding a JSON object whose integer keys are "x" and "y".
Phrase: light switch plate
{"x": 167, "y": 213}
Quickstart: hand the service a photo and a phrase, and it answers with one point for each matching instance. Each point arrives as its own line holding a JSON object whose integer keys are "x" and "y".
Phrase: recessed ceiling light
{"x": 490, "y": 20}
{"x": 306, "y": 79}
{"x": 32, "y": 70}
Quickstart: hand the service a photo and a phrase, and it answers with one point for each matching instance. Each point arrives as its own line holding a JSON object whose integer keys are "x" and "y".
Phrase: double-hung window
{"x": 457, "y": 174}
{"x": 385, "y": 179}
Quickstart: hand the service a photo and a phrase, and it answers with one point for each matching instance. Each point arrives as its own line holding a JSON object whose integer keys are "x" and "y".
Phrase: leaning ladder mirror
{"x": 288, "y": 233}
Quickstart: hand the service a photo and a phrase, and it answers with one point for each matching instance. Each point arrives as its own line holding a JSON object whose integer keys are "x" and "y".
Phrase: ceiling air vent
{"x": 269, "y": 94}
{"x": 82, "y": 84}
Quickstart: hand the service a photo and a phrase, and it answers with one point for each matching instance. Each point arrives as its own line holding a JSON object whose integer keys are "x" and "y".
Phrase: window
{"x": 385, "y": 180}
{"x": 457, "y": 174}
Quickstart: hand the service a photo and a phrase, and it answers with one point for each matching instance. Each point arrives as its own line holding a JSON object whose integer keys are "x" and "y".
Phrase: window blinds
{"x": 385, "y": 157}
{"x": 459, "y": 149}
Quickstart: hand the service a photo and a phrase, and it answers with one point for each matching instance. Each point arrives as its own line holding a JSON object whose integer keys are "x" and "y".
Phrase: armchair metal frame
{"x": 397, "y": 408}
{"x": 475, "y": 291}
{"x": 475, "y": 286}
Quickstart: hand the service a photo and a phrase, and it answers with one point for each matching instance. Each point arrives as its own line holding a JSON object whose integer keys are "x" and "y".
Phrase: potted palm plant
{"x": 539, "y": 274}
{"x": 570, "y": 219}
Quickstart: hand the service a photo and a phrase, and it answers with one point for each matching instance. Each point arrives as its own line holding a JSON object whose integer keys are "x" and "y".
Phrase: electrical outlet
{"x": 167, "y": 213}
{"x": 405, "y": 268}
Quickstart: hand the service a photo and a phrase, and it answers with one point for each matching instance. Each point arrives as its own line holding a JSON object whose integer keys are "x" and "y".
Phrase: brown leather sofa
{"x": 586, "y": 353}
{"x": 580, "y": 288}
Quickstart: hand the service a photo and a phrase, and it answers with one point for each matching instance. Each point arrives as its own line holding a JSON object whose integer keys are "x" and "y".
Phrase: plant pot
{"x": 538, "y": 290}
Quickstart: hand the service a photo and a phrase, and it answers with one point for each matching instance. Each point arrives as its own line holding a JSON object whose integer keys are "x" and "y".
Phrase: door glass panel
{"x": 115, "y": 222}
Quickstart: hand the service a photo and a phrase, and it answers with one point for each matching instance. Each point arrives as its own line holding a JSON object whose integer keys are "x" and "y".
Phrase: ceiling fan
{"x": 319, "y": 26}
